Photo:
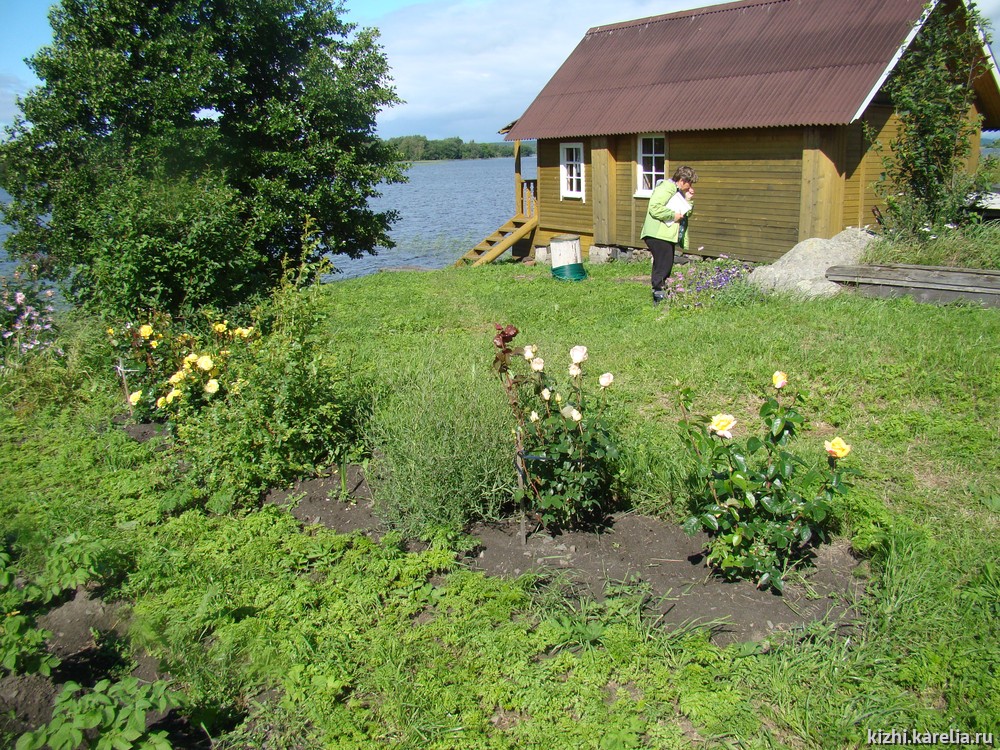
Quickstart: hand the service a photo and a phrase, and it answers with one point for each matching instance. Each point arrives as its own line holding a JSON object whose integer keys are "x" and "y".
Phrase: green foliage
{"x": 109, "y": 716}
{"x": 167, "y": 242}
{"x": 69, "y": 562}
{"x": 564, "y": 453}
{"x": 763, "y": 512}
{"x": 419, "y": 148}
{"x": 926, "y": 182}
{"x": 440, "y": 440}
{"x": 145, "y": 185}
{"x": 289, "y": 408}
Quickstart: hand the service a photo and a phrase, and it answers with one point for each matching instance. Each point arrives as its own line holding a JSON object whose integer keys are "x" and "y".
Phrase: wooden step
{"x": 496, "y": 244}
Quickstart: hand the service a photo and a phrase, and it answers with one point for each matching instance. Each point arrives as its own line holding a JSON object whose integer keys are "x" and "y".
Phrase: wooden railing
{"x": 526, "y": 197}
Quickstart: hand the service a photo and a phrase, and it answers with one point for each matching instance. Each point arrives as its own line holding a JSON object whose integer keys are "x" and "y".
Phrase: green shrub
{"x": 166, "y": 243}
{"x": 289, "y": 409}
{"x": 109, "y": 716}
{"x": 440, "y": 433}
{"x": 763, "y": 511}
{"x": 564, "y": 450}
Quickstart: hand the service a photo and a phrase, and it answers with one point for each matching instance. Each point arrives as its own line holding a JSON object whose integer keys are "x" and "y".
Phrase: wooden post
{"x": 602, "y": 165}
{"x": 822, "y": 191}
{"x": 518, "y": 181}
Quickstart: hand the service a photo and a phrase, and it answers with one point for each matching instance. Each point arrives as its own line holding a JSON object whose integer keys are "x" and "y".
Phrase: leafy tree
{"x": 175, "y": 149}
{"x": 926, "y": 180}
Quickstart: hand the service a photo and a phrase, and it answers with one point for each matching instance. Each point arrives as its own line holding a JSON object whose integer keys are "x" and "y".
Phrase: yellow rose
{"x": 779, "y": 380}
{"x": 212, "y": 386}
{"x": 205, "y": 363}
{"x": 111, "y": 331}
{"x": 219, "y": 328}
{"x": 135, "y": 397}
{"x": 722, "y": 425}
{"x": 174, "y": 393}
{"x": 191, "y": 358}
{"x": 145, "y": 330}
{"x": 153, "y": 344}
{"x": 177, "y": 377}
{"x": 161, "y": 402}
{"x": 837, "y": 447}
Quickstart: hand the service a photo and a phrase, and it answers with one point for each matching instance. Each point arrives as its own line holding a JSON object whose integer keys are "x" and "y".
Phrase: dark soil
{"x": 632, "y": 550}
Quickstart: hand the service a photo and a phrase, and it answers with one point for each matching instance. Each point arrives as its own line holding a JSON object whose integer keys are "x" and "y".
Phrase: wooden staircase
{"x": 516, "y": 229}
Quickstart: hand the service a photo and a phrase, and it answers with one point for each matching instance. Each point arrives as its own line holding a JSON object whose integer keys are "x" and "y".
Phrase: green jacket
{"x": 659, "y": 221}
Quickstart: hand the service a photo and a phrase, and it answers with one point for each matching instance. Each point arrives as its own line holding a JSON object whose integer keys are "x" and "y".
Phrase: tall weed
{"x": 442, "y": 438}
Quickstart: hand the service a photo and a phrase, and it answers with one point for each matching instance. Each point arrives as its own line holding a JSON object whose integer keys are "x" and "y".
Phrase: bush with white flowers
{"x": 565, "y": 452}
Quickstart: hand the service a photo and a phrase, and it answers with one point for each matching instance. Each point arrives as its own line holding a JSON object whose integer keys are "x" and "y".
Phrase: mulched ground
{"x": 633, "y": 549}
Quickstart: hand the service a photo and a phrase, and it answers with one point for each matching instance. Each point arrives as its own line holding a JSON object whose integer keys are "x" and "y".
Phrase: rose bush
{"x": 565, "y": 454}
{"x": 762, "y": 505}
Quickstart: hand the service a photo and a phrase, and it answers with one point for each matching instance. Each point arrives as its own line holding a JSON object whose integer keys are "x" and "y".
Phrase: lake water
{"x": 445, "y": 209}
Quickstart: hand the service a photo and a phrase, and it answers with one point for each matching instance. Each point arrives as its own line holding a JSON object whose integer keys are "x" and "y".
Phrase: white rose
{"x": 546, "y": 394}
{"x": 538, "y": 364}
{"x": 578, "y": 354}
{"x": 606, "y": 380}
{"x": 575, "y": 415}
{"x": 530, "y": 351}
{"x": 534, "y": 416}
{"x": 575, "y": 371}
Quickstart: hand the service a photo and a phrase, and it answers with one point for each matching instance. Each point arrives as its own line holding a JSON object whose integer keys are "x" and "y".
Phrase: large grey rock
{"x": 802, "y": 270}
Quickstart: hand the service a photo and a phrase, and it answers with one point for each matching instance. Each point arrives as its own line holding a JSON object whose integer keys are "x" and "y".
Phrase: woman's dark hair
{"x": 685, "y": 173}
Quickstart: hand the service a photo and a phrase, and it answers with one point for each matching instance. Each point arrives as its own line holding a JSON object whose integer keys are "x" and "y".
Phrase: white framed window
{"x": 650, "y": 162}
{"x": 571, "y": 183}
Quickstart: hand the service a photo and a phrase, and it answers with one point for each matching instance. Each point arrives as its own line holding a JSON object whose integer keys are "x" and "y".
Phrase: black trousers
{"x": 663, "y": 260}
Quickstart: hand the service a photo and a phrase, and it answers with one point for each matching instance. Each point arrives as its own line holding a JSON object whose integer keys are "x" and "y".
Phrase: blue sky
{"x": 464, "y": 67}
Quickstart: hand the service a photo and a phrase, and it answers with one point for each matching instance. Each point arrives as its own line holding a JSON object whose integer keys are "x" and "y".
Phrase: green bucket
{"x": 570, "y": 272}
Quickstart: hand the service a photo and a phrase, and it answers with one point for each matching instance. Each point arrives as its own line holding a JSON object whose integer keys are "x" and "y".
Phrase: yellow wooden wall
{"x": 759, "y": 191}
{"x": 863, "y": 163}
{"x": 557, "y": 215}
{"x": 748, "y": 192}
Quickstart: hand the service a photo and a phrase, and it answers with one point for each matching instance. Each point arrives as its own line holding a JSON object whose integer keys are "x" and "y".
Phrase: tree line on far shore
{"x": 420, "y": 148}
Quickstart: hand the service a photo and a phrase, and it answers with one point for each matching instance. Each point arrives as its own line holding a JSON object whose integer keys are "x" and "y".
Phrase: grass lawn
{"x": 288, "y": 637}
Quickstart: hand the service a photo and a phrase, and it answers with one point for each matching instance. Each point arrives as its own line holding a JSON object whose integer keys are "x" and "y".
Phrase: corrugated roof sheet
{"x": 757, "y": 63}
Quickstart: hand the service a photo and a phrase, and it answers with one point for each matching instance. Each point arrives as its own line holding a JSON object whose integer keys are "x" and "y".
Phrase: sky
{"x": 464, "y": 68}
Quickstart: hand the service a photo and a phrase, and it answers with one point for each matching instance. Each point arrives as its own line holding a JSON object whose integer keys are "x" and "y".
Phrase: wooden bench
{"x": 923, "y": 283}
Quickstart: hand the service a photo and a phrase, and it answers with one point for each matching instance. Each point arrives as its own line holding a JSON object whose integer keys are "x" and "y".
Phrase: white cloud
{"x": 469, "y": 68}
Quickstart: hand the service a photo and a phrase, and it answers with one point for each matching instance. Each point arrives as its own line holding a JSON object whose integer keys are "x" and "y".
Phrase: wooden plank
{"x": 602, "y": 190}
{"x": 924, "y": 283}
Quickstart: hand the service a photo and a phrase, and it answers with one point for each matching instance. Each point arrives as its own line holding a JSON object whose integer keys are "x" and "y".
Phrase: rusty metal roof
{"x": 749, "y": 64}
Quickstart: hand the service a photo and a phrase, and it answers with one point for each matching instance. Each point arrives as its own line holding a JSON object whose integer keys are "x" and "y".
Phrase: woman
{"x": 661, "y": 231}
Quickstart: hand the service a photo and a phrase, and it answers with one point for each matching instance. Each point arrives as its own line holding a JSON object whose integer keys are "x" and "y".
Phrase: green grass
{"x": 976, "y": 246}
{"x": 366, "y": 645}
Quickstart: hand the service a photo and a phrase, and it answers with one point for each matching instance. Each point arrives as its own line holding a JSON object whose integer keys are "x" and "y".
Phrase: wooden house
{"x": 771, "y": 101}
